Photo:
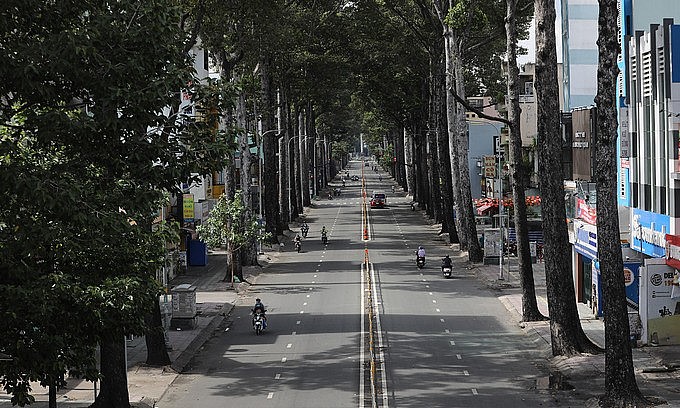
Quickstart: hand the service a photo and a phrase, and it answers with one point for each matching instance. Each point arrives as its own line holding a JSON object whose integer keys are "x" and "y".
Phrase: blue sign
{"x": 648, "y": 231}
{"x": 631, "y": 274}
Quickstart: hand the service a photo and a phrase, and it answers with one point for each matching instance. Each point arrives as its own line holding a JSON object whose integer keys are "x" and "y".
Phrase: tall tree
{"x": 530, "y": 310}
{"x": 621, "y": 389}
{"x": 567, "y": 337}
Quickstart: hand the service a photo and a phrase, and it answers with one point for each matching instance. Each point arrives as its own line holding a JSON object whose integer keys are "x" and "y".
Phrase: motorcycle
{"x": 446, "y": 271}
{"x": 298, "y": 246}
{"x": 304, "y": 231}
{"x": 420, "y": 262}
{"x": 258, "y": 323}
{"x": 324, "y": 239}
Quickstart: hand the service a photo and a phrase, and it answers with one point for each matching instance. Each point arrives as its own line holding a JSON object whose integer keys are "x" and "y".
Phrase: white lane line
{"x": 427, "y": 286}
{"x": 284, "y": 359}
{"x": 437, "y": 310}
{"x": 434, "y": 301}
{"x": 453, "y": 343}
{"x": 309, "y": 295}
{"x": 313, "y": 281}
{"x": 321, "y": 260}
{"x": 298, "y": 322}
{"x": 447, "y": 331}
{"x": 315, "y": 276}
{"x": 304, "y": 304}
{"x": 316, "y": 271}
{"x": 293, "y": 333}
{"x": 362, "y": 345}
{"x": 277, "y": 376}
{"x": 424, "y": 280}
{"x": 466, "y": 372}
{"x": 474, "y": 391}
{"x": 459, "y": 357}
{"x": 311, "y": 288}
{"x": 302, "y": 311}
{"x": 383, "y": 391}
{"x": 270, "y": 395}
{"x": 441, "y": 320}
{"x": 289, "y": 345}
{"x": 430, "y": 293}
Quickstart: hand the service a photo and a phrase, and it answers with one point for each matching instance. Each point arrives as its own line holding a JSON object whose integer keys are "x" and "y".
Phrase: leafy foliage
{"x": 228, "y": 223}
{"x": 87, "y": 151}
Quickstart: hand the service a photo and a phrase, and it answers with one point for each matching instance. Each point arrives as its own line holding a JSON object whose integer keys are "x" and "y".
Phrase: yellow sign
{"x": 188, "y": 207}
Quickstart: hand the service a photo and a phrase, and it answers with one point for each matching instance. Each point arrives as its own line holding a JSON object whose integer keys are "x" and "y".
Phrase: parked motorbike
{"x": 446, "y": 272}
{"x": 258, "y": 323}
{"x": 420, "y": 262}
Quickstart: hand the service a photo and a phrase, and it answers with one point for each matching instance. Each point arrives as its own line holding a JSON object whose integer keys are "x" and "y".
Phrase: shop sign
{"x": 586, "y": 212}
{"x": 673, "y": 251}
{"x": 188, "y": 207}
{"x": 648, "y": 231}
{"x": 586, "y": 239}
{"x": 492, "y": 242}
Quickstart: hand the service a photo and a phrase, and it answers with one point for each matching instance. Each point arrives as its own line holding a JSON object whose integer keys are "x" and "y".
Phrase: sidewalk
{"x": 655, "y": 367}
{"x": 146, "y": 385}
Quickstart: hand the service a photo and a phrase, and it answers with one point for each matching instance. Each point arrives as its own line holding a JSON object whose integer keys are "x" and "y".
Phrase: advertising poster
{"x": 660, "y": 313}
{"x": 492, "y": 242}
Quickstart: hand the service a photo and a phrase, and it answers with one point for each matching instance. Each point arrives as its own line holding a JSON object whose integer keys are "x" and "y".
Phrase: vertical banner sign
{"x": 188, "y": 207}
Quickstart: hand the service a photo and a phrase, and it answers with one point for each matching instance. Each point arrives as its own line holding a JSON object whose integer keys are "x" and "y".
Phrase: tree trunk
{"x": 621, "y": 389}
{"x": 408, "y": 163}
{"x": 302, "y": 167}
{"x": 530, "y": 310}
{"x": 156, "y": 351}
{"x": 283, "y": 166}
{"x": 306, "y": 160}
{"x": 229, "y": 193}
{"x": 248, "y": 251}
{"x": 453, "y": 140}
{"x": 467, "y": 214}
{"x": 52, "y": 393}
{"x": 433, "y": 166}
{"x": 293, "y": 184}
{"x": 567, "y": 336}
{"x": 270, "y": 192}
{"x": 444, "y": 156}
{"x": 114, "y": 391}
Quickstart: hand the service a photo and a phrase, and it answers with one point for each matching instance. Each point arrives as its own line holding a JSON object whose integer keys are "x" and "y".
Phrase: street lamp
{"x": 500, "y": 195}
{"x": 261, "y": 165}
{"x": 289, "y": 147}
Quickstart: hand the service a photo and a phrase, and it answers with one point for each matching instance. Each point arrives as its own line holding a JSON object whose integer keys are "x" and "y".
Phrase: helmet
{"x": 420, "y": 247}
{"x": 258, "y": 300}
{"x": 446, "y": 256}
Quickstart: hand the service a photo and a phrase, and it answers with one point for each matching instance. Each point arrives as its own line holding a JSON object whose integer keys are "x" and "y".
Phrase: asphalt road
{"x": 447, "y": 342}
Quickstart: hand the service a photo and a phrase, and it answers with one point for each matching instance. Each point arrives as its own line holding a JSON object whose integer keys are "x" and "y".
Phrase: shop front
{"x": 585, "y": 252}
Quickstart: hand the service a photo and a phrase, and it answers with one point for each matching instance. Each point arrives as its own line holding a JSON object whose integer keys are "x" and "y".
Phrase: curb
{"x": 188, "y": 354}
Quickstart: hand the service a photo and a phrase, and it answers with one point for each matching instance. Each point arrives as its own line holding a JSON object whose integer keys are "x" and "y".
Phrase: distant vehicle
{"x": 378, "y": 199}
{"x": 367, "y": 164}
{"x": 355, "y": 178}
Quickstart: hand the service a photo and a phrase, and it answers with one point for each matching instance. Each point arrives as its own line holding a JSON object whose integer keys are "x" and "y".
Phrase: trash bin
{"x": 198, "y": 253}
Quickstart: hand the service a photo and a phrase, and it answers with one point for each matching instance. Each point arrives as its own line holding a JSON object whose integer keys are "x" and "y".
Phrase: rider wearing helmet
{"x": 446, "y": 262}
{"x": 420, "y": 253}
{"x": 260, "y": 306}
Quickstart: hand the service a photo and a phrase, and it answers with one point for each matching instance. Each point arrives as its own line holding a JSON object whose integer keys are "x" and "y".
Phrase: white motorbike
{"x": 446, "y": 271}
{"x": 258, "y": 323}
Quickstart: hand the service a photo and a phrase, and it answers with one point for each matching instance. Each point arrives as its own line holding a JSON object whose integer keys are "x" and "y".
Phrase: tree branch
{"x": 479, "y": 113}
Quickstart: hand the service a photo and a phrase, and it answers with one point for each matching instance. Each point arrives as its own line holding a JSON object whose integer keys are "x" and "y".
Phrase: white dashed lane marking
{"x": 277, "y": 377}
{"x": 270, "y": 395}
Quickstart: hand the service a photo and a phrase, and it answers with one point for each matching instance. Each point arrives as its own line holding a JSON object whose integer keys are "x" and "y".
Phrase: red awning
{"x": 483, "y": 208}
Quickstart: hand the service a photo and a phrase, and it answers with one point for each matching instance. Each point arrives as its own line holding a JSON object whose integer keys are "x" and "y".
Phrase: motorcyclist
{"x": 304, "y": 228}
{"x": 420, "y": 253}
{"x": 446, "y": 262}
{"x": 260, "y": 306}
{"x": 343, "y": 183}
{"x": 298, "y": 240}
{"x": 380, "y": 177}
{"x": 324, "y": 234}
